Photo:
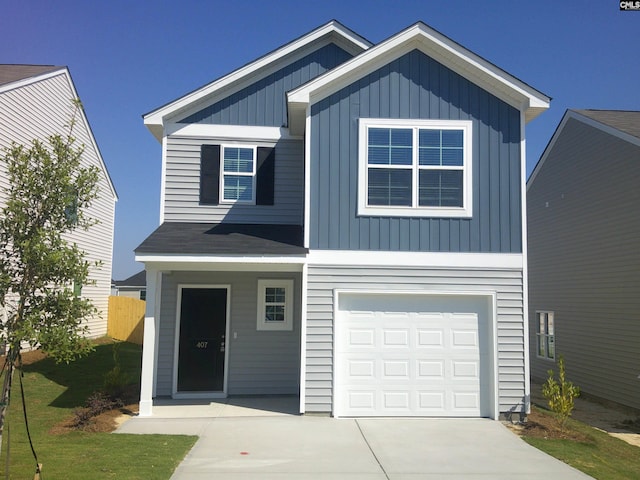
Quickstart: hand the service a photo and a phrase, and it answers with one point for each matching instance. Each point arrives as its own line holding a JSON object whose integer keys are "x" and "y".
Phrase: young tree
{"x": 41, "y": 270}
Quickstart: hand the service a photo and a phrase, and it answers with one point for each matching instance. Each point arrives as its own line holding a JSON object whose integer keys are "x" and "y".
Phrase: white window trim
{"x": 364, "y": 209}
{"x": 287, "y": 284}
{"x": 223, "y": 200}
{"x": 546, "y": 335}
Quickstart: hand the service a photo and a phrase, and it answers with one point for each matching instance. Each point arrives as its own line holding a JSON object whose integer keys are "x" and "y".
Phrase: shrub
{"x": 560, "y": 394}
{"x": 115, "y": 380}
{"x": 96, "y": 404}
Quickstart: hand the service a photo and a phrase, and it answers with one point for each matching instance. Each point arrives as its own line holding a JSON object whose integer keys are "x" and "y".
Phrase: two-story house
{"x": 36, "y": 101}
{"x": 344, "y": 222}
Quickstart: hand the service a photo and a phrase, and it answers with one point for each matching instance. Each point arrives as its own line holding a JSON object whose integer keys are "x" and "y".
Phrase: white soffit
{"x": 332, "y": 31}
{"x": 437, "y": 46}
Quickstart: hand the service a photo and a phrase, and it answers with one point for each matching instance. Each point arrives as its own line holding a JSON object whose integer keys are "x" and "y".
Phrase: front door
{"x": 201, "y": 350}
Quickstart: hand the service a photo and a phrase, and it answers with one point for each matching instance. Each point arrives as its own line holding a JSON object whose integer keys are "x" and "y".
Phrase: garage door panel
{"x": 421, "y": 362}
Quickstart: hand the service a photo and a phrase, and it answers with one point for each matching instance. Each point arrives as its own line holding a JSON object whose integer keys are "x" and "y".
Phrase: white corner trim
{"x": 508, "y": 261}
{"x": 307, "y": 180}
{"x": 163, "y": 179}
{"x": 303, "y": 342}
{"x": 525, "y": 266}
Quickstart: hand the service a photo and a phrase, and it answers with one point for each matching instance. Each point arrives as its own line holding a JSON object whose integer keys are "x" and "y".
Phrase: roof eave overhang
{"x": 439, "y": 47}
{"x": 246, "y": 263}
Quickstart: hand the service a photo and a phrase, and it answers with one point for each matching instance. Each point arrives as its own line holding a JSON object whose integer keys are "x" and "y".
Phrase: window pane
{"x": 429, "y": 138}
{"x": 452, "y": 138}
{"x": 551, "y": 347}
{"x": 429, "y": 156}
{"x": 238, "y": 160}
{"x": 238, "y": 187}
{"x": 541, "y": 322}
{"x": 274, "y": 313}
{"x": 541, "y": 345}
{"x": 550, "y": 323}
{"x": 390, "y": 146}
{"x": 274, "y": 295}
{"x": 440, "y": 188}
{"x": 389, "y": 187}
{"x": 452, "y": 157}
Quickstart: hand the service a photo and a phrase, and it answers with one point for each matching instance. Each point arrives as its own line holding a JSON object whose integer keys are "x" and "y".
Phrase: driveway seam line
{"x": 371, "y": 450}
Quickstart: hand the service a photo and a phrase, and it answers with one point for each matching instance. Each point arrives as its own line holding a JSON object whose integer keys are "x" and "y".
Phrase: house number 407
{"x": 201, "y": 344}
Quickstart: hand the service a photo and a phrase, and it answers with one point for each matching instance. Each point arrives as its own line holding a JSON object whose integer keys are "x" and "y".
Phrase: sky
{"x": 128, "y": 57}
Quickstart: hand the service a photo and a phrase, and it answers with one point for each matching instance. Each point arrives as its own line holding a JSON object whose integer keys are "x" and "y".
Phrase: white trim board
{"x": 493, "y": 261}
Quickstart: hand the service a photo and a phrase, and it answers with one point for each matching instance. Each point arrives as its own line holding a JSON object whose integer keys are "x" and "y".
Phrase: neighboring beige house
{"x": 134, "y": 287}
{"x": 36, "y": 102}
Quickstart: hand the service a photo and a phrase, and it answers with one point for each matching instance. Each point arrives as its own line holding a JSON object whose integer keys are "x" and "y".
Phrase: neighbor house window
{"x": 275, "y": 305}
{"x": 415, "y": 168}
{"x": 238, "y": 179}
{"x": 546, "y": 335}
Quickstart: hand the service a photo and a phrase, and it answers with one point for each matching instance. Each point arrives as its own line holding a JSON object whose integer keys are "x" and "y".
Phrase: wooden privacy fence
{"x": 126, "y": 319}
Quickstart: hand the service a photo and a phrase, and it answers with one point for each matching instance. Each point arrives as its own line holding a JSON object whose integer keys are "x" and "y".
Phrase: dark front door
{"x": 203, "y": 324}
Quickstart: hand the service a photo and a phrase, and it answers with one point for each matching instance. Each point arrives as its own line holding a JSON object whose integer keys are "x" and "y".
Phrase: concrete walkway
{"x": 307, "y": 447}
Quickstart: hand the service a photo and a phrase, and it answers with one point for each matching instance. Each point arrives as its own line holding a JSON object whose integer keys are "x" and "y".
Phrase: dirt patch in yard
{"x": 541, "y": 425}
{"x": 106, "y": 422}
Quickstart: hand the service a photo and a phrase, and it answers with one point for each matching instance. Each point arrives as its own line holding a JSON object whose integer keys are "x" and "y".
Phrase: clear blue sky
{"x": 129, "y": 57}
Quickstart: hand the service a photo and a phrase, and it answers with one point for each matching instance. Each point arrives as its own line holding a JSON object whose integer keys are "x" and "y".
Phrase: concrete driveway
{"x": 306, "y": 447}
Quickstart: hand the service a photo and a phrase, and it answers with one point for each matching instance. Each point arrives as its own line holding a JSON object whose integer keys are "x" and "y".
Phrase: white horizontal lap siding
{"x": 182, "y": 186}
{"x": 324, "y": 280}
{"x": 39, "y": 110}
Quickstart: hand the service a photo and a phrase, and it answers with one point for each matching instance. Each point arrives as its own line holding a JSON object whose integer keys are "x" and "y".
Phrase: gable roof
{"x": 332, "y": 31}
{"x": 625, "y": 121}
{"x": 10, "y": 73}
{"x": 437, "y": 46}
{"x": 137, "y": 280}
{"x": 622, "y": 124}
{"x": 18, "y": 76}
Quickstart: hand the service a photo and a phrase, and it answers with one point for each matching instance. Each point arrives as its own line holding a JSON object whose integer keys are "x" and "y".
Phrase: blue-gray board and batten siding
{"x": 264, "y": 103}
{"x": 415, "y": 86}
{"x": 260, "y": 362}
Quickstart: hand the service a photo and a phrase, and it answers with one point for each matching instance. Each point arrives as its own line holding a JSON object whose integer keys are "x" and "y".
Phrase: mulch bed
{"x": 545, "y": 426}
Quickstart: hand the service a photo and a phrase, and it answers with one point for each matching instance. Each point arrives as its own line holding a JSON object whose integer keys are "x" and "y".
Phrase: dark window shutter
{"x": 210, "y": 174}
{"x": 265, "y": 176}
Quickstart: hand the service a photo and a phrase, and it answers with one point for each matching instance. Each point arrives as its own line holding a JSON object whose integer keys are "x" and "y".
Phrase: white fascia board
{"x": 508, "y": 261}
{"x": 442, "y": 49}
{"x": 230, "y": 132}
{"x": 246, "y": 263}
{"x": 332, "y": 30}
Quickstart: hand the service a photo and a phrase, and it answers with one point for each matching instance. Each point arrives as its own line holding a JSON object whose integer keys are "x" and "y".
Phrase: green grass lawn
{"x": 603, "y": 457}
{"x": 52, "y": 392}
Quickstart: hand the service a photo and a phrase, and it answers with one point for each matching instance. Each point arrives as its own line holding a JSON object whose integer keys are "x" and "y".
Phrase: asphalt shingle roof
{"x": 624, "y": 120}
{"x": 13, "y": 73}
{"x": 177, "y": 238}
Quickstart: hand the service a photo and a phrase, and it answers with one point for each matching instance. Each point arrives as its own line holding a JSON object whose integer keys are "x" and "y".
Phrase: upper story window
{"x": 237, "y": 174}
{"x": 415, "y": 168}
{"x": 238, "y": 180}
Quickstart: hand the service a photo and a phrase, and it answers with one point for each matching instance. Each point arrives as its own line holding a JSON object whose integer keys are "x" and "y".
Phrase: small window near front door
{"x": 546, "y": 335}
{"x": 275, "y": 305}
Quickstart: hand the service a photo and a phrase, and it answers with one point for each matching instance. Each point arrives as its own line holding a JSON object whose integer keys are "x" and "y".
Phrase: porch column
{"x": 151, "y": 318}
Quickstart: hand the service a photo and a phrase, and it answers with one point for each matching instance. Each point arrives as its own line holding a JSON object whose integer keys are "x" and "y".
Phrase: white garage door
{"x": 412, "y": 355}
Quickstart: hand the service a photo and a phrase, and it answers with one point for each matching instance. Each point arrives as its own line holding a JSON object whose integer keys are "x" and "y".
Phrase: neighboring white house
{"x": 36, "y": 101}
{"x": 344, "y": 222}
